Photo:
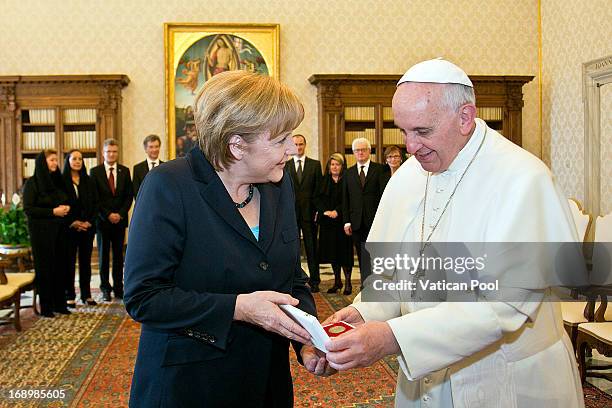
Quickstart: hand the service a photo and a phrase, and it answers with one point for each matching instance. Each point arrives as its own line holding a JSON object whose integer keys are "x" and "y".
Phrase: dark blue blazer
{"x": 190, "y": 254}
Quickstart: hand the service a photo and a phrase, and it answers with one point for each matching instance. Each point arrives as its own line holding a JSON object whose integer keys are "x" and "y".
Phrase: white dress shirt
{"x": 150, "y": 163}
{"x": 296, "y": 164}
{"x": 366, "y": 166}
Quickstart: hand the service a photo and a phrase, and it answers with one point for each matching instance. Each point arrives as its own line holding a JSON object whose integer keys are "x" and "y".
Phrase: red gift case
{"x": 337, "y": 329}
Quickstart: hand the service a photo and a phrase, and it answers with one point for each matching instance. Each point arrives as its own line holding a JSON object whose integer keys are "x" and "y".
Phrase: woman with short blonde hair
{"x": 238, "y": 103}
{"x": 393, "y": 159}
{"x": 214, "y": 250}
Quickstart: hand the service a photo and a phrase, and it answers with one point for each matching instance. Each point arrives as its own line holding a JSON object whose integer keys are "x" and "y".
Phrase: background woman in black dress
{"x": 80, "y": 232}
{"x": 335, "y": 247}
{"x": 45, "y": 204}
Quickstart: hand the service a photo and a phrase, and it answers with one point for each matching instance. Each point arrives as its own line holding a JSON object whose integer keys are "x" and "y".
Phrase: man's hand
{"x": 348, "y": 230}
{"x": 315, "y": 362}
{"x": 362, "y": 346}
{"x": 349, "y": 314}
{"x": 333, "y": 214}
{"x": 78, "y": 225}
{"x": 114, "y": 218}
{"x": 261, "y": 309}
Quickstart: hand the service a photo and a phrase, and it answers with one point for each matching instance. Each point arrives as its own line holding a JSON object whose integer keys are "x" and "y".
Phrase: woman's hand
{"x": 315, "y": 362}
{"x": 61, "y": 210}
{"x": 261, "y": 309}
{"x": 349, "y": 315}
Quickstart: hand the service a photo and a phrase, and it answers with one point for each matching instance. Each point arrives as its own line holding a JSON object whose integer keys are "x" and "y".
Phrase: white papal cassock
{"x": 479, "y": 354}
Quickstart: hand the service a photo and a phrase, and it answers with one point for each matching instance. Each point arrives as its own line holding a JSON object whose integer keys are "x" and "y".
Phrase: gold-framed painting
{"x": 195, "y": 52}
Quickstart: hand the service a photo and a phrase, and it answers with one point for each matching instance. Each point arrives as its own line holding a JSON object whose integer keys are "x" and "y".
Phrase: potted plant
{"x": 14, "y": 237}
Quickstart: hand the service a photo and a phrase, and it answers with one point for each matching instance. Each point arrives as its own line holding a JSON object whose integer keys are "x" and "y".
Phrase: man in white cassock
{"x": 464, "y": 183}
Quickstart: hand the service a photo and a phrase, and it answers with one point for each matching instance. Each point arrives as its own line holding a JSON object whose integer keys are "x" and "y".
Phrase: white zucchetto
{"x": 437, "y": 71}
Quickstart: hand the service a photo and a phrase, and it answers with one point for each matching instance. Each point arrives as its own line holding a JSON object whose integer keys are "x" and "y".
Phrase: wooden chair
{"x": 598, "y": 334}
{"x": 9, "y": 295}
{"x": 582, "y": 220}
{"x": 575, "y": 313}
{"x": 25, "y": 282}
{"x": 22, "y": 279}
{"x": 21, "y": 259}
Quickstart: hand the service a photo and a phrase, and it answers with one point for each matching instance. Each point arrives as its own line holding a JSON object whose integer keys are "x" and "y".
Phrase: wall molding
{"x": 595, "y": 74}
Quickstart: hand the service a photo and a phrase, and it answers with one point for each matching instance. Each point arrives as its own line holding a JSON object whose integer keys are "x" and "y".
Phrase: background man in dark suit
{"x": 115, "y": 192}
{"x": 151, "y": 145}
{"x": 306, "y": 174}
{"x": 362, "y": 191}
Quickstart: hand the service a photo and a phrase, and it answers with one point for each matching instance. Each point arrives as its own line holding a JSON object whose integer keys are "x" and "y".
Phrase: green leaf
{"x": 13, "y": 226}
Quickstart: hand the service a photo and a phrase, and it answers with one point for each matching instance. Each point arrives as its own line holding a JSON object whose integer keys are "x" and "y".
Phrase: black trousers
{"x": 359, "y": 238}
{"x": 111, "y": 237}
{"x": 309, "y": 232}
{"x": 83, "y": 243}
{"x": 48, "y": 250}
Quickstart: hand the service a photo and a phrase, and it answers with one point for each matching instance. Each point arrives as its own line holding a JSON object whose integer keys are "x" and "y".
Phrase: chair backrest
{"x": 581, "y": 220}
{"x": 603, "y": 229}
{"x": 602, "y": 251}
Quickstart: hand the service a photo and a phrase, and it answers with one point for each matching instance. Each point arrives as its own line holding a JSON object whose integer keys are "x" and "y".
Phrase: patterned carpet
{"x": 90, "y": 356}
{"x": 67, "y": 353}
{"x": 370, "y": 387}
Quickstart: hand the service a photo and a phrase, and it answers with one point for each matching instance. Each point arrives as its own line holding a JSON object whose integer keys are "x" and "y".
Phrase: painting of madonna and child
{"x": 206, "y": 58}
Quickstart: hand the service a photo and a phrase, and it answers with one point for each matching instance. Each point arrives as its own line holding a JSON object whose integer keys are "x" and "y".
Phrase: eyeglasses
{"x": 363, "y": 149}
